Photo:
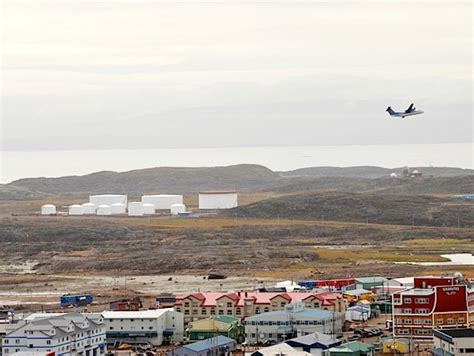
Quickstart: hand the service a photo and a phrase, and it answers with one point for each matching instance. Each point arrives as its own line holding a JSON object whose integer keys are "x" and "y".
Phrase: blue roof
{"x": 209, "y": 343}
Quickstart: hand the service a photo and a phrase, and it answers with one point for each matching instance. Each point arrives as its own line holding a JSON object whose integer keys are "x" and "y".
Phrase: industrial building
{"x": 295, "y": 320}
{"x": 108, "y": 199}
{"x": 62, "y": 334}
{"x": 48, "y": 209}
{"x": 156, "y": 327}
{"x": 218, "y": 200}
{"x": 148, "y": 209}
{"x": 315, "y": 344}
{"x": 162, "y": 201}
{"x": 135, "y": 209}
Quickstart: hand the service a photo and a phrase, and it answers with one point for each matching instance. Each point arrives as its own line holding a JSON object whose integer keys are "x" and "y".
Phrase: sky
{"x": 163, "y": 74}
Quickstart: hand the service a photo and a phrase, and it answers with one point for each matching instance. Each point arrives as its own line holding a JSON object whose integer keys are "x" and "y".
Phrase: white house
{"x": 63, "y": 334}
{"x": 358, "y": 313}
{"x": 157, "y": 327}
{"x": 294, "y": 320}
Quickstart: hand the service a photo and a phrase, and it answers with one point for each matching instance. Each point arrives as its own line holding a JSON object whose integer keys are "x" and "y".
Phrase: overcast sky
{"x": 116, "y": 74}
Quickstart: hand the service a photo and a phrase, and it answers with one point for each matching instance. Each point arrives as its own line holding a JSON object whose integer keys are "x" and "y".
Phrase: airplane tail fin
{"x": 390, "y": 110}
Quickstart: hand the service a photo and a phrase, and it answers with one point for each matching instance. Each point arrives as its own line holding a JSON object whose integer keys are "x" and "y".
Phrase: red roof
{"x": 210, "y": 299}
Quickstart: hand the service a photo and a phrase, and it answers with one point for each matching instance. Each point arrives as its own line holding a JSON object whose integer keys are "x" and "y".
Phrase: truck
{"x": 75, "y": 300}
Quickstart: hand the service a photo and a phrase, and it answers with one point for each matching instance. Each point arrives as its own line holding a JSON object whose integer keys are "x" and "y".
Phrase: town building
{"x": 358, "y": 313}
{"x": 431, "y": 304}
{"x": 63, "y": 334}
{"x": 156, "y": 327}
{"x": 219, "y": 346}
{"x": 218, "y": 325}
{"x": 450, "y": 342}
{"x": 282, "y": 349}
{"x": 356, "y": 295}
{"x": 295, "y": 320}
{"x": 244, "y": 304}
{"x": 392, "y": 345}
{"x": 368, "y": 282}
{"x": 316, "y": 344}
{"x": 354, "y": 348}
{"x": 331, "y": 284}
{"x": 133, "y": 304}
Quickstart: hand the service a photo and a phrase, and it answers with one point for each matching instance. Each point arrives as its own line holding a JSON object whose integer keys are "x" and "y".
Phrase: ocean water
{"x": 23, "y": 164}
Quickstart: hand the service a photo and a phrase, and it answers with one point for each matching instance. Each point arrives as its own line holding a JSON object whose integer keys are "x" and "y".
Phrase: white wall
{"x": 108, "y": 199}
{"x": 218, "y": 201}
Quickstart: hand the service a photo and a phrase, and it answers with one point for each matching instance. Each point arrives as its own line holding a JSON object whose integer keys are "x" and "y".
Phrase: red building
{"x": 434, "y": 302}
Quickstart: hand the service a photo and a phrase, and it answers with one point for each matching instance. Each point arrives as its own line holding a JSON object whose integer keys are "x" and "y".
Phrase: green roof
{"x": 371, "y": 279}
{"x": 227, "y": 319}
{"x": 353, "y": 346}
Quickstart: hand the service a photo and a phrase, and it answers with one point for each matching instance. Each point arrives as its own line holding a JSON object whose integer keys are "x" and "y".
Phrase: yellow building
{"x": 397, "y": 346}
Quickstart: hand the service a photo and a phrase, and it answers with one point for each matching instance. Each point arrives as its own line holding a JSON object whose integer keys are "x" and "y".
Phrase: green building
{"x": 219, "y": 325}
{"x": 354, "y": 348}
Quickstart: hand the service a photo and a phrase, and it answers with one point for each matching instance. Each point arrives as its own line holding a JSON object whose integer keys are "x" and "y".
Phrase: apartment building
{"x": 244, "y": 304}
{"x": 431, "y": 304}
{"x": 157, "y": 327}
{"x": 294, "y": 320}
{"x": 451, "y": 342}
{"x": 62, "y": 334}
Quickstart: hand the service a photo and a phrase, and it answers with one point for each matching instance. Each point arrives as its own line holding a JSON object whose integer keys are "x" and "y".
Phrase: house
{"x": 217, "y": 346}
{"x": 126, "y": 304}
{"x": 354, "y": 348}
{"x": 294, "y": 320}
{"x": 244, "y": 304}
{"x": 63, "y": 334}
{"x": 358, "y": 313}
{"x": 315, "y": 344}
{"x": 430, "y": 304}
{"x": 222, "y": 324}
{"x": 459, "y": 341}
{"x": 156, "y": 327}
{"x": 279, "y": 350}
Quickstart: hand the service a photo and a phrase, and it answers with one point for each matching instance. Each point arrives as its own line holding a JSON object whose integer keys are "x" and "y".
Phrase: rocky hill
{"x": 357, "y": 207}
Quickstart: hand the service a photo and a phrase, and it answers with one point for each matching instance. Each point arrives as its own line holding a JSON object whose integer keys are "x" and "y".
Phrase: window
{"x": 422, "y": 311}
{"x": 316, "y": 305}
{"x": 229, "y": 305}
{"x": 282, "y": 304}
{"x": 270, "y": 335}
{"x": 186, "y": 312}
{"x": 407, "y": 300}
{"x": 203, "y": 311}
{"x": 422, "y": 300}
{"x": 266, "y": 309}
{"x": 213, "y": 311}
{"x": 229, "y": 312}
{"x": 221, "y": 312}
{"x": 406, "y": 311}
{"x": 461, "y": 320}
{"x": 5, "y": 341}
{"x": 237, "y": 311}
{"x": 178, "y": 310}
{"x": 186, "y": 304}
{"x": 450, "y": 321}
{"x": 17, "y": 341}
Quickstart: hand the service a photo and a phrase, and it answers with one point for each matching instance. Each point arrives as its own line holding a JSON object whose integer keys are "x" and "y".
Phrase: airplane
{"x": 408, "y": 112}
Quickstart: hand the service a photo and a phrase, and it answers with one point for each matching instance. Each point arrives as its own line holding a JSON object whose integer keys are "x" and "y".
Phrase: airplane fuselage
{"x": 404, "y": 114}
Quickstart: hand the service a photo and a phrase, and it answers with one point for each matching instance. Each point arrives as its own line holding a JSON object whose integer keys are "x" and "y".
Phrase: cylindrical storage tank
{"x": 135, "y": 209}
{"x": 104, "y": 210}
{"x": 48, "y": 209}
{"x": 88, "y": 208}
{"x": 162, "y": 201}
{"x": 119, "y": 208}
{"x": 177, "y": 208}
{"x": 148, "y": 209}
{"x": 75, "y": 209}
